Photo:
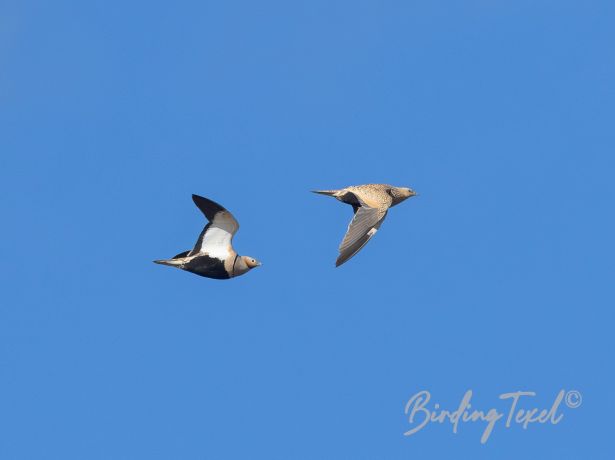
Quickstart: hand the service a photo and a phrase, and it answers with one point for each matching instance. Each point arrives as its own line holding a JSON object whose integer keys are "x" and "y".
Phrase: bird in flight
{"x": 370, "y": 203}
{"x": 213, "y": 255}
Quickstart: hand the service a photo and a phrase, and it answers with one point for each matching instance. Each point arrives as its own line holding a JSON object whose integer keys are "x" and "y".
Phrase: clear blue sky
{"x": 497, "y": 278}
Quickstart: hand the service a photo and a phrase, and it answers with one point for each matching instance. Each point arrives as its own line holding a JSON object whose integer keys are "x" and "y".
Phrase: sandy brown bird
{"x": 370, "y": 203}
{"x": 213, "y": 255}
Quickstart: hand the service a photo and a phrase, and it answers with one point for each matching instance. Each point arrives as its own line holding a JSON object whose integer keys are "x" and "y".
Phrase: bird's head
{"x": 250, "y": 262}
{"x": 400, "y": 194}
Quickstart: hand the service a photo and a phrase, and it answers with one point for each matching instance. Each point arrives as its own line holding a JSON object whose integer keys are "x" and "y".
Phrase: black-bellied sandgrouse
{"x": 213, "y": 255}
{"x": 370, "y": 203}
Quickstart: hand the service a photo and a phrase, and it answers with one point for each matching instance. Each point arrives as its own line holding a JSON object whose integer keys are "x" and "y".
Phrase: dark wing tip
{"x": 208, "y": 207}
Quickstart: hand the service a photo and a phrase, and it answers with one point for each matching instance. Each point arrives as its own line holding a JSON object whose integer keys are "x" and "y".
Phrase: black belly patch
{"x": 209, "y": 267}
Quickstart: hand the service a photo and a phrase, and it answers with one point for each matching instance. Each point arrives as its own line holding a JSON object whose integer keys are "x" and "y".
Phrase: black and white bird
{"x": 370, "y": 203}
{"x": 213, "y": 255}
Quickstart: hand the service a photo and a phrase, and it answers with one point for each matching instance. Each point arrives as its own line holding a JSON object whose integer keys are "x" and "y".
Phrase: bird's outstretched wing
{"x": 216, "y": 238}
{"x": 363, "y": 226}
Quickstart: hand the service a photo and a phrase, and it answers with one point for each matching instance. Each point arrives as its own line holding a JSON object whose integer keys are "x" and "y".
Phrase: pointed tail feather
{"x": 326, "y": 192}
{"x": 170, "y": 263}
{"x": 175, "y": 261}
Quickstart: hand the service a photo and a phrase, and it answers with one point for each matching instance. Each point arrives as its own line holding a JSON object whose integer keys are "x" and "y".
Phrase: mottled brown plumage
{"x": 371, "y": 203}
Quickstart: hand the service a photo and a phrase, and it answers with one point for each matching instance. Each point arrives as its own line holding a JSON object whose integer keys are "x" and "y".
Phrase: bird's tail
{"x": 175, "y": 261}
{"x": 170, "y": 262}
{"x": 326, "y": 192}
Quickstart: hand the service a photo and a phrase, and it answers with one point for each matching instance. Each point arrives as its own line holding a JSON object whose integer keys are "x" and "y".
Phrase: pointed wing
{"x": 362, "y": 228}
{"x": 216, "y": 238}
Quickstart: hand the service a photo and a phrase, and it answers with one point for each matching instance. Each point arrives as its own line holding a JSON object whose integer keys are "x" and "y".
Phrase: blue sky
{"x": 497, "y": 278}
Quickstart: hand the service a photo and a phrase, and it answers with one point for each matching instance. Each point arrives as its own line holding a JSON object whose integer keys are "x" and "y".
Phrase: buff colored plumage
{"x": 370, "y": 203}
